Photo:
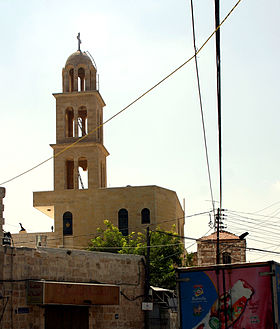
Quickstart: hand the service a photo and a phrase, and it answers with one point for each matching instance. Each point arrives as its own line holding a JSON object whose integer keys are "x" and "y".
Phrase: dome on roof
{"x": 77, "y": 58}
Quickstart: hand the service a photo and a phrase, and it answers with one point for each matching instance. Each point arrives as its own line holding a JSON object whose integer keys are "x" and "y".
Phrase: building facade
{"x": 48, "y": 288}
{"x": 81, "y": 200}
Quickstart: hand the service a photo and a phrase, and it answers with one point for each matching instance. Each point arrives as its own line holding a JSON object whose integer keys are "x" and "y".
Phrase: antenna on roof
{"x": 93, "y": 61}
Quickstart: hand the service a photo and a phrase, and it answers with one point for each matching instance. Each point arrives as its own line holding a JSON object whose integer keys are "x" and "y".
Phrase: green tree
{"x": 109, "y": 239}
{"x": 166, "y": 251}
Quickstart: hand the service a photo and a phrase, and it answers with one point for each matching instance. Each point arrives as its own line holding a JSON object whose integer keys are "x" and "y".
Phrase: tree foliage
{"x": 166, "y": 251}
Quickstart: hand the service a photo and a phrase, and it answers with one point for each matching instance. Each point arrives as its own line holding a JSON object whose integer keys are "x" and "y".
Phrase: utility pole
{"x": 218, "y": 220}
{"x": 218, "y": 216}
{"x": 148, "y": 262}
{"x": 147, "y": 281}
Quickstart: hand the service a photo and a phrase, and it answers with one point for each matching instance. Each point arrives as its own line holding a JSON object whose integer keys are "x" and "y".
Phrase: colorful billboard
{"x": 227, "y": 298}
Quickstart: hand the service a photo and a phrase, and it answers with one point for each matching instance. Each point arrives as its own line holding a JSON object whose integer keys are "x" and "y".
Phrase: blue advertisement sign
{"x": 197, "y": 294}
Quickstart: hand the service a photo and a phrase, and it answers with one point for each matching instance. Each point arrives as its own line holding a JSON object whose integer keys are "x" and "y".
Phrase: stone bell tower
{"x": 79, "y": 155}
{"x": 79, "y": 112}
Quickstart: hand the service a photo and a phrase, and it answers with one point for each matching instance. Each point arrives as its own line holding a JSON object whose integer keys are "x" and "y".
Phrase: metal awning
{"x": 71, "y": 293}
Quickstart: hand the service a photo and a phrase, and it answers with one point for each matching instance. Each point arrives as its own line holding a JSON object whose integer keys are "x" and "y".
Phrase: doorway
{"x": 66, "y": 317}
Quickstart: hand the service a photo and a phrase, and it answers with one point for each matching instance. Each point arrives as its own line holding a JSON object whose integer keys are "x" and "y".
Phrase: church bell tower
{"x": 79, "y": 116}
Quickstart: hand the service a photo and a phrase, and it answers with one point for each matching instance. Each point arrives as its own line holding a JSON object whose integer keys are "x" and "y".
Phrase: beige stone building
{"x": 232, "y": 249}
{"x": 81, "y": 200}
{"x": 49, "y": 288}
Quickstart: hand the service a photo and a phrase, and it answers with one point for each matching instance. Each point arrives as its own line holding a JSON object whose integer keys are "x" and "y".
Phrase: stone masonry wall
{"x": 206, "y": 251}
{"x": 18, "y": 265}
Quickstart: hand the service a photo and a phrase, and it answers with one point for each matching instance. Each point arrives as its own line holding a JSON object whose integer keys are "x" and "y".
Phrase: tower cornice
{"x": 80, "y": 94}
{"x": 81, "y": 145}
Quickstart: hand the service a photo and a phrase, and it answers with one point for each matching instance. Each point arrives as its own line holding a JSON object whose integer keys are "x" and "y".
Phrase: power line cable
{"x": 142, "y": 225}
{"x": 250, "y": 213}
{"x": 129, "y": 227}
{"x": 250, "y": 222}
{"x": 201, "y": 109}
{"x": 130, "y": 104}
{"x": 251, "y": 229}
{"x": 273, "y": 204}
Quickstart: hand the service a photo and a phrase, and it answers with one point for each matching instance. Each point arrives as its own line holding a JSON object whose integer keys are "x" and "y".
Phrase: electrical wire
{"x": 142, "y": 226}
{"x": 251, "y": 225}
{"x": 93, "y": 235}
{"x": 201, "y": 110}
{"x": 273, "y": 204}
{"x": 130, "y": 104}
{"x": 189, "y": 238}
{"x": 250, "y": 213}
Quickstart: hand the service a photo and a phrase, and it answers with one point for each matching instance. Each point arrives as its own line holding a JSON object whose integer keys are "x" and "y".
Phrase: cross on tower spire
{"x": 79, "y": 42}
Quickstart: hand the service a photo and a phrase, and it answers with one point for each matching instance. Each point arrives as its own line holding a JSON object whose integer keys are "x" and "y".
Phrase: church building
{"x": 81, "y": 200}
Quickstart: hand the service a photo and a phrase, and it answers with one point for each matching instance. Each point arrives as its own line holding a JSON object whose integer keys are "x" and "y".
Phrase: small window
{"x": 123, "y": 221}
{"x": 67, "y": 223}
{"x": 145, "y": 216}
{"x": 226, "y": 258}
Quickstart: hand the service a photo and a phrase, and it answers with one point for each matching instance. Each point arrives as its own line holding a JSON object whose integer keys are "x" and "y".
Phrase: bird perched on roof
{"x": 22, "y": 228}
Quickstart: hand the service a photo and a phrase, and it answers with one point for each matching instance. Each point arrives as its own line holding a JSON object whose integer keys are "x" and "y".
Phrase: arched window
{"x": 226, "y": 258}
{"x": 145, "y": 216}
{"x": 123, "y": 221}
{"x": 69, "y": 174}
{"x": 71, "y": 80}
{"x": 82, "y": 121}
{"x": 69, "y": 122}
{"x": 81, "y": 79}
{"x": 83, "y": 173}
{"x": 93, "y": 80}
{"x": 67, "y": 223}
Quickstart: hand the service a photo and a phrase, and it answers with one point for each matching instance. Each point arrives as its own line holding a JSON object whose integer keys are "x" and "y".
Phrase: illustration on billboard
{"x": 228, "y": 308}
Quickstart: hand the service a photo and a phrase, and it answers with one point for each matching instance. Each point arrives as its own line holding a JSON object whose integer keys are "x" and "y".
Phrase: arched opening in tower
{"x": 81, "y": 79}
{"x": 83, "y": 173}
{"x": 69, "y": 122}
{"x": 82, "y": 121}
{"x": 71, "y": 80}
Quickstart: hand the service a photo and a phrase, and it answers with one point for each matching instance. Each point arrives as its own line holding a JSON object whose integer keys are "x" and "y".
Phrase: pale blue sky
{"x": 159, "y": 140}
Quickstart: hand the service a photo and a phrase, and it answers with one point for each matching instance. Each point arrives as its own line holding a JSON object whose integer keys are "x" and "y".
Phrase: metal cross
{"x": 79, "y": 42}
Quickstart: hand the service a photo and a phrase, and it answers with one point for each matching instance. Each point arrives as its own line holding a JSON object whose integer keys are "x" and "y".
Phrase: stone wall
{"x": 90, "y": 207}
{"x": 19, "y": 265}
{"x": 32, "y": 240}
{"x": 206, "y": 251}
